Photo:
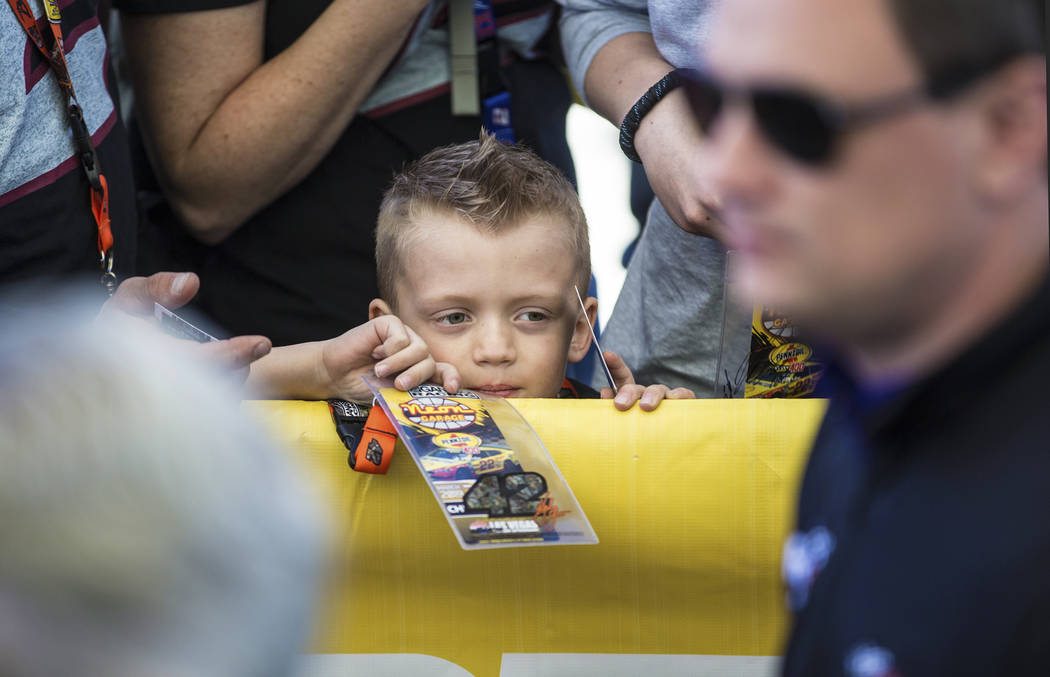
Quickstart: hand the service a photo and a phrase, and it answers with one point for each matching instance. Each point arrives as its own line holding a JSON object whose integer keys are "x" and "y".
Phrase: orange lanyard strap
{"x": 85, "y": 148}
{"x": 367, "y": 433}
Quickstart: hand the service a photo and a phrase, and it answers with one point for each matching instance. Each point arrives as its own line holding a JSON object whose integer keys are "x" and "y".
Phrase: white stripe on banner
{"x": 542, "y": 665}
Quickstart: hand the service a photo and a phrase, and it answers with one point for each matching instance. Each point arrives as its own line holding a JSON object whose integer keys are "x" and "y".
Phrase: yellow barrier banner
{"x": 691, "y": 505}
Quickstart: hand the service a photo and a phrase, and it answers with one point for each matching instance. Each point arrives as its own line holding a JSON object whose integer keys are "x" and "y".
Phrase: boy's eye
{"x": 453, "y": 318}
{"x": 533, "y": 316}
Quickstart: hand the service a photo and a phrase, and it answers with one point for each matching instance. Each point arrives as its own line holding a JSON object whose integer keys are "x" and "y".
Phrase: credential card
{"x": 492, "y": 476}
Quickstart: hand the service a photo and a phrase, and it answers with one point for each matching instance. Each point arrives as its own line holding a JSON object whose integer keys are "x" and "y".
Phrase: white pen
{"x": 605, "y": 365}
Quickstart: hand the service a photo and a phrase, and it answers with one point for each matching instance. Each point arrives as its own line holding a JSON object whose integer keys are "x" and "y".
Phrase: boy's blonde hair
{"x": 492, "y": 185}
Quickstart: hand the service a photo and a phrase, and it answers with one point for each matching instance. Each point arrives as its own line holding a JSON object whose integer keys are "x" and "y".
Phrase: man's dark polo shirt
{"x": 923, "y": 538}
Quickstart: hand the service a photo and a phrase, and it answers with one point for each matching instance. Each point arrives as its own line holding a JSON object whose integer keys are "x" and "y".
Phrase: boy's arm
{"x": 629, "y": 392}
{"x": 333, "y": 369}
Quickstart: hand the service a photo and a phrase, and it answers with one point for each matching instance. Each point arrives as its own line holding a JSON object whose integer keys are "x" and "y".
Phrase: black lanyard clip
{"x": 85, "y": 149}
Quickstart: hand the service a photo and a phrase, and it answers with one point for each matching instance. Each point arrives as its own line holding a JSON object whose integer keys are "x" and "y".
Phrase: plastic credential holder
{"x": 491, "y": 474}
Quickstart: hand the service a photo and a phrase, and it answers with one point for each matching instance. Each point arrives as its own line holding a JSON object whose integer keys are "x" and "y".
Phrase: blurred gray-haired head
{"x": 146, "y": 527}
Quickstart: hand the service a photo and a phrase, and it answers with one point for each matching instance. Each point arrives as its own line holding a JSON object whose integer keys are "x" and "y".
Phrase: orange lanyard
{"x": 367, "y": 433}
{"x": 85, "y": 148}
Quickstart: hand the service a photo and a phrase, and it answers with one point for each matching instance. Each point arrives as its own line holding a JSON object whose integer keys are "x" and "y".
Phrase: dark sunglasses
{"x": 807, "y": 127}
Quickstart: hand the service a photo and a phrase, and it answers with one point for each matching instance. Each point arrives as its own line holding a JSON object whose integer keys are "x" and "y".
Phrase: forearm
{"x": 334, "y": 368}
{"x": 293, "y": 372}
{"x": 668, "y": 139}
{"x": 621, "y": 72}
{"x": 261, "y": 131}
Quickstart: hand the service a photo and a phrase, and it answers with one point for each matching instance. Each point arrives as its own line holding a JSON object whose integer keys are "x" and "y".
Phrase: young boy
{"x": 479, "y": 248}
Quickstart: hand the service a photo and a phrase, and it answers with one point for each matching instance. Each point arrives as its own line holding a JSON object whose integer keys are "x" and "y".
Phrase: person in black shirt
{"x": 47, "y": 229}
{"x": 881, "y": 168}
{"x": 273, "y": 128}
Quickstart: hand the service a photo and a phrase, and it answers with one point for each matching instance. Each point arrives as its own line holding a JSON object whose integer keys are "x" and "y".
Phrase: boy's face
{"x": 500, "y": 308}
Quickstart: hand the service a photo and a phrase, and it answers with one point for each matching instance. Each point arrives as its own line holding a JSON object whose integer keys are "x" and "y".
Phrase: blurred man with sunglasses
{"x": 881, "y": 166}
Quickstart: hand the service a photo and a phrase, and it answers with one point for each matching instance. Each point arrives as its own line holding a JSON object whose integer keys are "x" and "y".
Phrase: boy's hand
{"x": 385, "y": 346}
{"x": 629, "y": 392}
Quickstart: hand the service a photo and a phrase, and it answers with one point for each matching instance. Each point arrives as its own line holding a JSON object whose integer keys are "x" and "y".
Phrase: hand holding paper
{"x": 136, "y": 300}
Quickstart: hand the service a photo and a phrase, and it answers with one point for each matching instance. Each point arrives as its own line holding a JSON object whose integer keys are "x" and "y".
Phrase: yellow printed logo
{"x": 54, "y": 15}
{"x": 458, "y": 441}
{"x": 438, "y": 413}
{"x": 791, "y": 355}
{"x": 776, "y": 324}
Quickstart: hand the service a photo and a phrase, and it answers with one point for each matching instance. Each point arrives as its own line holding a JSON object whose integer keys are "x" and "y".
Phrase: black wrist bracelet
{"x": 630, "y": 123}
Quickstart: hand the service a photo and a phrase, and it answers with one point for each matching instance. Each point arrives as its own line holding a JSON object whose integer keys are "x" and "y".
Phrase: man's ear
{"x": 1014, "y": 117}
{"x": 378, "y": 308}
{"x": 581, "y": 331}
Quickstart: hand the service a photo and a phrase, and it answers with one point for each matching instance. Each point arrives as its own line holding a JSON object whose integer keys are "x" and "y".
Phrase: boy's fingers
{"x": 606, "y": 393}
{"x": 416, "y": 374}
{"x": 393, "y": 336}
{"x": 681, "y": 394}
{"x": 350, "y": 350}
{"x": 627, "y": 396}
{"x": 448, "y": 376}
{"x": 402, "y": 347}
{"x": 414, "y": 354}
{"x": 652, "y": 397}
{"x": 354, "y": 347}
{"x": 621, "y": 373}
